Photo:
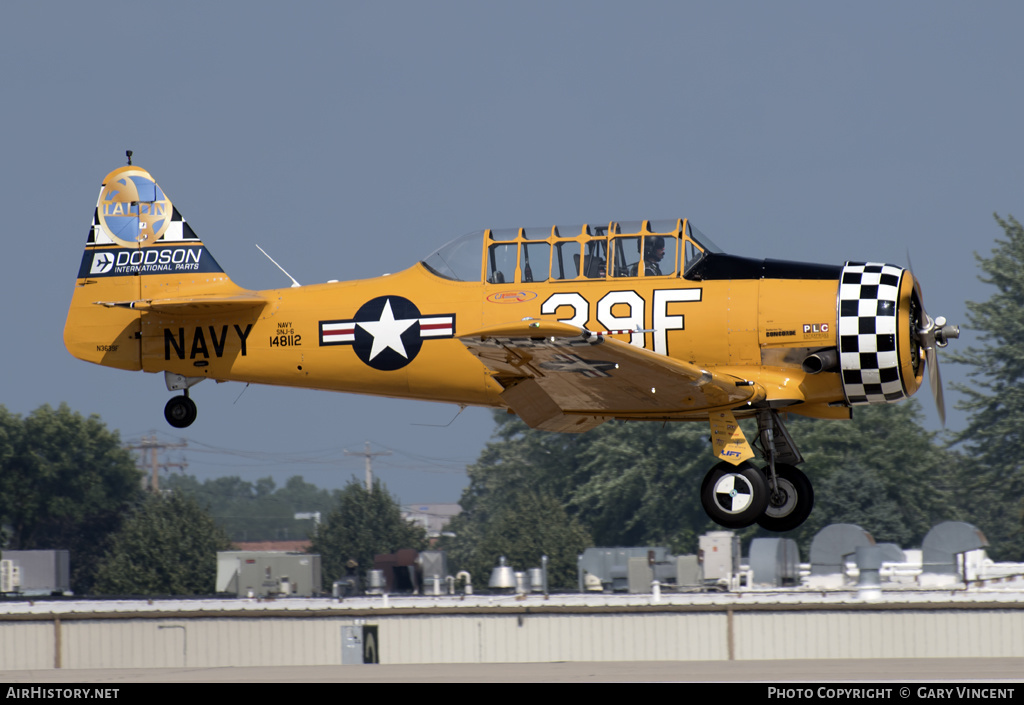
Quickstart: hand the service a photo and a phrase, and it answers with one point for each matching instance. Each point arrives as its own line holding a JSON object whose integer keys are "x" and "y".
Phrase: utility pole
{"x": 369, "y": 463}
{"x": 151, "y": 446}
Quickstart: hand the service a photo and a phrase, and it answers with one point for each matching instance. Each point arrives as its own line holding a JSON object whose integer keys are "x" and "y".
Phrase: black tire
{"x": 180, "y": 411}
{"x": 734, "y": 496}
{"x": 793, "y": 503}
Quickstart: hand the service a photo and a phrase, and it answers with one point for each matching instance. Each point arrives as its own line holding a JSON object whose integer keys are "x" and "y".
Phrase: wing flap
{"x": 586, "y": 374}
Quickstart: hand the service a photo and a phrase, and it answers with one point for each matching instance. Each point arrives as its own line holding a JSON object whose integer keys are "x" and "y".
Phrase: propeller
{"x": 931, "y": 335}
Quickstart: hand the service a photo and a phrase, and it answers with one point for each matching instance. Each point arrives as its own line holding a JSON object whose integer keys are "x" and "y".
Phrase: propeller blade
{"x": 935, "y": 381}
{"x": 934, "y": 333}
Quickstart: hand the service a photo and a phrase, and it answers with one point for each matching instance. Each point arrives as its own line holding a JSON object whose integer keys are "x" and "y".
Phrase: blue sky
{"x": 354, "y": 138}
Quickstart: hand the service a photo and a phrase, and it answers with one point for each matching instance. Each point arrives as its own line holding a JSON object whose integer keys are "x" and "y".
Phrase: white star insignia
{"x": 387, "y": 332}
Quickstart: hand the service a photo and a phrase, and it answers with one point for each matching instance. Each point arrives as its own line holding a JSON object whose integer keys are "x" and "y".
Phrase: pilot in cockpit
{"x": 654, "y": 252}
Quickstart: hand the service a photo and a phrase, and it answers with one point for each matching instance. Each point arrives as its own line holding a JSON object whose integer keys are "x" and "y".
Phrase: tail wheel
{"x": 791, "y": 504}
{"x": 180, "y": 411}
{"x": 734, "y": 496}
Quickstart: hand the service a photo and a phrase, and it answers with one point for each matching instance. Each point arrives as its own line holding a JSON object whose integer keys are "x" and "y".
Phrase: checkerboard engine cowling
{"x": 868, "y": 354}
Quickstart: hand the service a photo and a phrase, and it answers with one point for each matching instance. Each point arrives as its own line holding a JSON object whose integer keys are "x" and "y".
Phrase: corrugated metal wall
{"x": 242, "y": 640}
{"x": 545, "y": 637}
{"x": 886, "y": 634}
{"x": 145, "y": 643}
{"x": 27, "y": 645}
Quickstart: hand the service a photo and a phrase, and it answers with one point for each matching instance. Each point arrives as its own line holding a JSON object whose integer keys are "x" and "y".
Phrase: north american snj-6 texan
{"x": 566, "y": 326}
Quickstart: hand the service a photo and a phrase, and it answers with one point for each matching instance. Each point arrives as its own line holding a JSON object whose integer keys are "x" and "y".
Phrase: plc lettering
{"x": 621, "y": 310}
{"x": 199, "y": 347}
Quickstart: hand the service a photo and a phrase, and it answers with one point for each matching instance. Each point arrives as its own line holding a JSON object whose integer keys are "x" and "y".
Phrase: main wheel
{"x": 791, "y": 504}
{"x": 734, "y": 496}
{"x": 180, "y": 411}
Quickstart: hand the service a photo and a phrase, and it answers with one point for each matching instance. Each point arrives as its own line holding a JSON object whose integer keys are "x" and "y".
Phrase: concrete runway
{"x": 791, "y": 671}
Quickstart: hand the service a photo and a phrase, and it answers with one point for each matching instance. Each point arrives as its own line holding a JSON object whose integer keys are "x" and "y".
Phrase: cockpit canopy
{"x": 613, "y": 250}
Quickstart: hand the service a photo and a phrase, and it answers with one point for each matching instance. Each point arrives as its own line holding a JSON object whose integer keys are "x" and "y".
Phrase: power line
{"x": 151, "y": 446}
{"x": 249, "y": 459}
{"x": 369, "y": 463}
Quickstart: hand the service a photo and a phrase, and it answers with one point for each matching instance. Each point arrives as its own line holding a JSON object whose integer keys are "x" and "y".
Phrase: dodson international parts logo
{"x": 150, "y": 260}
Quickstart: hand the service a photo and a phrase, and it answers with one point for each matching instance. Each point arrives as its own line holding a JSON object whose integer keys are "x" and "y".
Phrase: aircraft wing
{"x": 192, "y": 304}
{"x": 559, "y": 377}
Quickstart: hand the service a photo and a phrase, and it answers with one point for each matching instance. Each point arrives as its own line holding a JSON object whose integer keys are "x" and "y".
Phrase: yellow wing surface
{"x": 558, "y": 377}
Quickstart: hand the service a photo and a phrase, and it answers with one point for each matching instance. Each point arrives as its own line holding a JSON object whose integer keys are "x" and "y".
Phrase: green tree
{"x": 521, "y": 457}
{"x": 882, "y": 471}
{"x": 65, "y": 483}
{"x": 994, "y": 437}
{"x": 168, "y": 546}
{"x": 260, "y": 511}
{"x": 625, "y": 483}
{"x": 11, "y": 432}
{"x": 362, "y": 525}
{"x": 638, "y": 484}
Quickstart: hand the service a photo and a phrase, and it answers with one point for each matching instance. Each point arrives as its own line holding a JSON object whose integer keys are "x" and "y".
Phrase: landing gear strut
{"x": 778, "y": 497}
{"x": 180, "y": 411}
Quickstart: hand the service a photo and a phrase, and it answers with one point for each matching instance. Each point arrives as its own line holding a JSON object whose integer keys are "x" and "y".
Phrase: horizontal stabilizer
{"x": 192, "y": 304}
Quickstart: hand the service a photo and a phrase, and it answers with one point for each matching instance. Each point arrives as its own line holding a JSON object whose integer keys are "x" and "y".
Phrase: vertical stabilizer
{"x": 139, "y": 249}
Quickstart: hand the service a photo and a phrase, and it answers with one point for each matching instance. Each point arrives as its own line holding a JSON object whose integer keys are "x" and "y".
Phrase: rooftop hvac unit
{"x": 945, "y": 542}
{"x": 678, "y": 571}
{"x": 433, "y": 564}
{"x": 689, "y": 572}
{"x": 503, "y": 576}
{"x": 10, "y": 576}
{"x": 265, "y": 573}
{"x": 401, "y": 570}
{"x": 720, "y": 551}
{"x": 41, "y": 572}
{"x": 608, "y": 568}
{"x": 639, "y": 574}
{"x": 775, "y": 562}
{"x": 833, "y": 545}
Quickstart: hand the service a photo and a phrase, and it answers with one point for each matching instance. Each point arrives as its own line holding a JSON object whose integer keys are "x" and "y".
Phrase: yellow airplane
{"x": 567, "y": 327}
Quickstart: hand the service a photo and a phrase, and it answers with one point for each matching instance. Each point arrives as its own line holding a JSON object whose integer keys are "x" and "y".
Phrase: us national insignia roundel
{"x": 387, "y": 332}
